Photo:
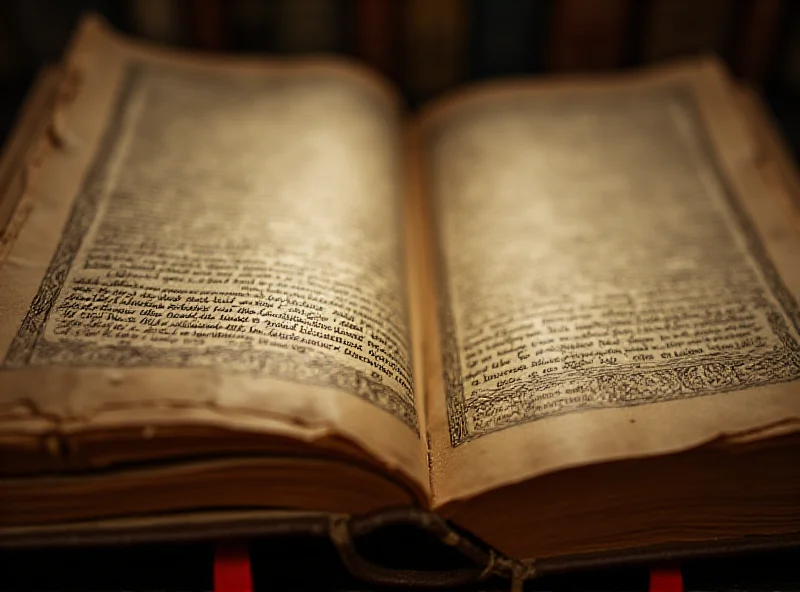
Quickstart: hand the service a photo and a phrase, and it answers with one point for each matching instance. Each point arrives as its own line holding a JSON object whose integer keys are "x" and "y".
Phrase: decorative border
{"x": 29, "y": 346}
{"x": 626, "y": 385}
{"x": 82, "y": 214}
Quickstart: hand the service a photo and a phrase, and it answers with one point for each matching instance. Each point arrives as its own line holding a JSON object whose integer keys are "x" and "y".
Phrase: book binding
{"x": 344, "y": 531}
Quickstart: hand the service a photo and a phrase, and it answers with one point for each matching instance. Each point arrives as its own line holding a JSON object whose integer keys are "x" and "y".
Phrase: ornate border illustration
{"x": 30, "y": 347}
{"x": 631, "y": 384}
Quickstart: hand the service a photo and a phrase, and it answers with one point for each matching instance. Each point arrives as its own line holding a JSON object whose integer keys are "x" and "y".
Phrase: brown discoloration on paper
{"x": 502, "y": 444}
{"x": 344, "y": 374}
{"x": 23, "y": 153}
{"x": 773, "y": 159}
{"x": 97, "y": 373}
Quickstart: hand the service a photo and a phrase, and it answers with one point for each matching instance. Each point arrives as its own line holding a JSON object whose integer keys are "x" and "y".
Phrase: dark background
{"x": 312, "y": 564}
{"x": 425, "y": 47}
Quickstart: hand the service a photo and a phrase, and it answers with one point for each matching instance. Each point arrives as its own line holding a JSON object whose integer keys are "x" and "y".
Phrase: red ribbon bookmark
{"x": 232, "y": 571}
{"x": 666, "y": 579}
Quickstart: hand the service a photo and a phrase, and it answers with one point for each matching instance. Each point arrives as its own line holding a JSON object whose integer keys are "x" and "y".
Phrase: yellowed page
{"x": 214, "y": 242}
{"x": 615, "y": 277}
{"x": 775, "y": 162}
{"x": 22, "y": 143}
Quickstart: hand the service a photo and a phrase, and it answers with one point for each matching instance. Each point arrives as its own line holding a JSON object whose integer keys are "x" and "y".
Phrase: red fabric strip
{"x": 232, "y": 568}
{"x": 666, "y": 579}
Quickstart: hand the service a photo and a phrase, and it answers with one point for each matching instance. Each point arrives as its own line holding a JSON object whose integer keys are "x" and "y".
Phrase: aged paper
{"x": 774, "y": 159}
{"x": 21, "y": 144}
{"x": 237, "y": 229}
{"x": 603, "y": 289}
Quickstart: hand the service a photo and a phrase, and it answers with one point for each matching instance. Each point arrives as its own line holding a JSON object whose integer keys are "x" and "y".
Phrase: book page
{"x": 215, "y": 237}
{"x": 20, "y": 144}
{"x": 613, "y": 277}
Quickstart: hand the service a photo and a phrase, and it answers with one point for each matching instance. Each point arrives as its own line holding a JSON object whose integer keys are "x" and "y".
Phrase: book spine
{"x": 757, "y": 38}
{"x": 250, "y": 24}
{"x": 503, "y": 36}
{"x": 206, "y": 23}
{"x": 588, "y": 34}
{"x": 434, "y": 46}
{"x": 303, "y": 26}
{"x": 376, "y": 34}
{"x": 676, "y": 28}
{"x": 157, "y": 20}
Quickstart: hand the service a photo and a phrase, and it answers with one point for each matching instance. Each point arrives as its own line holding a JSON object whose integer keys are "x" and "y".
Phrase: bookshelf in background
{"x": 588, "y": 35}
{"x": 158, "y": 20}
{"x": 756, "y": 42}
{"x": 376, "y": 35}
{"x": 434, "y": 46}
{"x": 207, "y": 24}
{"x": 427, "y": 46}
{"x": 250, "y": 23}
{"x": 676, "y": 28}
{"x": 506, "y": 37}
{"x": 308, "y": 26}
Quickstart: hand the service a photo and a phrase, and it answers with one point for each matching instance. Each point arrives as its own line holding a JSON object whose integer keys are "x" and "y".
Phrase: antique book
{"x": 554, "y": 323}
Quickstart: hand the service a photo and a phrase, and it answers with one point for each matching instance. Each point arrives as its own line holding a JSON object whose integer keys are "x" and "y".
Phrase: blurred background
{"x": 426, "y": 47}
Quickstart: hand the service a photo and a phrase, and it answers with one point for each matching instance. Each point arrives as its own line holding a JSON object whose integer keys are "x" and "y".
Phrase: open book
{"x": 561, "y": 315}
